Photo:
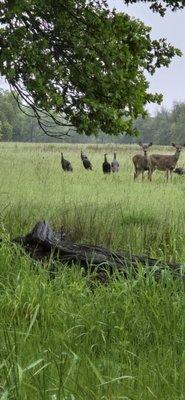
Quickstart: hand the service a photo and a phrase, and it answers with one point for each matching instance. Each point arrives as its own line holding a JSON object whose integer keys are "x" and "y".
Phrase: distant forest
{"x": 164, "y": 128}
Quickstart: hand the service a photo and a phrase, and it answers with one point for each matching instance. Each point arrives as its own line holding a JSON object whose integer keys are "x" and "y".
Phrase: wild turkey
{"x": 115, "y": 164}
{"x": 66, "y": 165}
{"x": 106, "y": 165}
{"x": 179, "y": 171}
{"x": 86, "y": 162}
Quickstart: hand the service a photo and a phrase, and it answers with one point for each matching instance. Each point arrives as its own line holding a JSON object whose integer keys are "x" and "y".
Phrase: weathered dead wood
{"x": 42, "y": 241}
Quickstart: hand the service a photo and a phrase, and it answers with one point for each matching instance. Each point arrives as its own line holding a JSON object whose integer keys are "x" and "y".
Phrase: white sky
{"x": 168, "y": 81}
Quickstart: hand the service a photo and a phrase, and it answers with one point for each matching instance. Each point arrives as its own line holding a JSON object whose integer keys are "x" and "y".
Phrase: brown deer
{"x": 163, "y": 162}
{"x": 141, "y": 162}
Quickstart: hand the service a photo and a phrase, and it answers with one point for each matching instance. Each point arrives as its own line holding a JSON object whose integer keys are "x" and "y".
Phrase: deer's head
{"x": 145, "y": 146}
{"x": 178, "y": 147}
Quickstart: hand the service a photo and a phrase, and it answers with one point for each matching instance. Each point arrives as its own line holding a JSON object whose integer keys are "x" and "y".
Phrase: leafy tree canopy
{"x": 81, "y": 62}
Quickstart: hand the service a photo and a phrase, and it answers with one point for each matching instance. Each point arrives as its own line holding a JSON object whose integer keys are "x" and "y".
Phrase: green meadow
{"x": 61, "y": 340}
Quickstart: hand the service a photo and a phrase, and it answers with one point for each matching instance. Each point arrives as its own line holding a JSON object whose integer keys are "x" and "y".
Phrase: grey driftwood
{"x": 42, "y": 241}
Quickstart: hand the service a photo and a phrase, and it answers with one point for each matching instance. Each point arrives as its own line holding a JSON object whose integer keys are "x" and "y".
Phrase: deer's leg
{"x": 136, "y": 174}
{"x": 167, "y": 175}
{"x": 171, "y": 171}
{"x": 142, "y": 176}
{"x": 150, "y": 172}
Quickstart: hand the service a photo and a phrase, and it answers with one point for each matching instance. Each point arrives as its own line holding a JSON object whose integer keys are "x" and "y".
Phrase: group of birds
{"x": 106, "y": 166}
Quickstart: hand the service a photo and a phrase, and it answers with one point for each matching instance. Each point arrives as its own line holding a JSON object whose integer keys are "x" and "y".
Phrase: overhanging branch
{"x": 39, "y": 114}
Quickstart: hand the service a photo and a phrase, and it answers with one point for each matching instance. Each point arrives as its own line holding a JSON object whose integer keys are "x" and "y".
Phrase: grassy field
{"x": 61, "y": 340}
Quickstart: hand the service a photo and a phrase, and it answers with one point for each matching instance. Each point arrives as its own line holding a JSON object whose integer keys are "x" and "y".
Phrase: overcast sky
{"x": 168, "y": 81}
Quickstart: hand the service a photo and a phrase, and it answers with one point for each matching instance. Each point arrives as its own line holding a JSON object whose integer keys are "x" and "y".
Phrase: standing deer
{"x": 141, "y": 162}
{"x": 165, "y": 162}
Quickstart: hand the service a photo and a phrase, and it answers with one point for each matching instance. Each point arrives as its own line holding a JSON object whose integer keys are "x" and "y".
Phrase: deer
{"x": 165, "y": 162}
{"x": 141, "y": 162}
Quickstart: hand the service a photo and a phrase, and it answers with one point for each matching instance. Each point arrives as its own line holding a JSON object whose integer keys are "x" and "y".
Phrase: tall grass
{"x": 112, "y": 210}
{"x": 59, "y": 338}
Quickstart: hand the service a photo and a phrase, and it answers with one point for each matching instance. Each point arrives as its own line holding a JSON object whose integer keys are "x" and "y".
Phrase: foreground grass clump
{"x": 61, "y": 340}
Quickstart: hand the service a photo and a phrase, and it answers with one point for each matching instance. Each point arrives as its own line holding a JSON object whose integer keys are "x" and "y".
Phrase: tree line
{"x": 16, "y": 125}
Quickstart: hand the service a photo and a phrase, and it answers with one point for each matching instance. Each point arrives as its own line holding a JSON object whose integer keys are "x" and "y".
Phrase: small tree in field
{"x": 80, "y": 64}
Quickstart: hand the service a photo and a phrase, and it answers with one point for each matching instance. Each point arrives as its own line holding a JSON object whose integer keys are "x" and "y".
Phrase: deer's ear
{"x": 140, "y": 144}
{"x": 150, "y": 144}
{"x": 173, "y": 144}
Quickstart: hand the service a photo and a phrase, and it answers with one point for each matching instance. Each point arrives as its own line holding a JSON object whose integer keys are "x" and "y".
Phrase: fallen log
{"x": 42, "y": 241}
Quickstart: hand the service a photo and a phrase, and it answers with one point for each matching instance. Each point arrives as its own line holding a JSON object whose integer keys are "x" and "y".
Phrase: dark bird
{"x": 115, "y": 164}
{"x": 66, "y": 165}
{"x": 106, "y": 165}
{"x": 86, "y": 162}
{"x": 179, "y": 171}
